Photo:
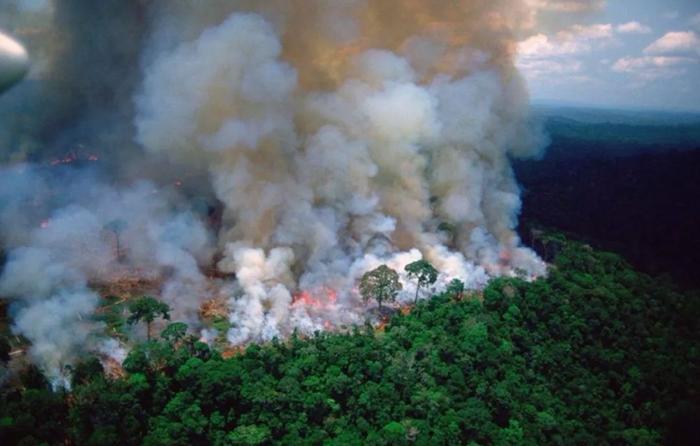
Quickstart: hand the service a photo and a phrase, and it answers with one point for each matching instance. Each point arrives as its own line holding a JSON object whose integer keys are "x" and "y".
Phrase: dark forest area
{"x": 606, "y": 184}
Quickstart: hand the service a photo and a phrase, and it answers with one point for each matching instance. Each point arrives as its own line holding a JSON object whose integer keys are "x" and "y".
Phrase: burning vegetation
{"x": 250, "y": 165}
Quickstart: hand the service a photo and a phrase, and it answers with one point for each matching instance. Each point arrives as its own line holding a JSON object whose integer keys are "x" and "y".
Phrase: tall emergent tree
{"x": 382, "y": 284}
{"x": 147, "y": 309}
{"x": 424, "y": 273}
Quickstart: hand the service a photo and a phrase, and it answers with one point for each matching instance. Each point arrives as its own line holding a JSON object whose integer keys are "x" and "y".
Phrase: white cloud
{"x": 554, "y": 57}
{"x": 632, "y": 28}
{"x": 541, "y": 46}
{"x": 675, "y": 42}
{"x": 577, "y": 39}
{"x": 590, "y": 32}
{"x": 544, "y": 69}
{"x": 631, "y": 64}
{"x": 649, "y": 68}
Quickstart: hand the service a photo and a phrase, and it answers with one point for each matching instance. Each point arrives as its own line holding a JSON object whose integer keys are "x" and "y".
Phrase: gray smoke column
{"x": 327, "y": 126}
{"x": 335, "y": 135}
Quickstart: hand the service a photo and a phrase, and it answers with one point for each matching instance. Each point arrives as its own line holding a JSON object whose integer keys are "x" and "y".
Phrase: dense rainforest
{"x": 627, "y": 188}
{"x": 595, "y": 353}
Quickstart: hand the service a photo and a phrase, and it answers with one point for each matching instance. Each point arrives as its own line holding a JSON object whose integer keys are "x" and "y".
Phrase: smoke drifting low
{"x": 63, "y": 244}
{"x": 334, "y": 137}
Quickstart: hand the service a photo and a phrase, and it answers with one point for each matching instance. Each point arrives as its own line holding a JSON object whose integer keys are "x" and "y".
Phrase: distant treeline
{"x": 585, "y": 132}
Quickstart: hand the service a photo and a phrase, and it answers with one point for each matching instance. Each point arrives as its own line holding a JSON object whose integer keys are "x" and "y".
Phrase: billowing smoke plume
{"x": 326, "y": 131}
{"x": 332, "y": 137}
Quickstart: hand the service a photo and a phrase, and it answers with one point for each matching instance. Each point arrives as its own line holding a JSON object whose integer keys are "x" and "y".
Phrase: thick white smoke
{"x": 310, "y": 178}
{"x": 334, "y": 136}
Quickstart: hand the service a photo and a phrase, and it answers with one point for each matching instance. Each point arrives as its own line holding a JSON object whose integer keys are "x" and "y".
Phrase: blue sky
{"x": 625, "y": 54}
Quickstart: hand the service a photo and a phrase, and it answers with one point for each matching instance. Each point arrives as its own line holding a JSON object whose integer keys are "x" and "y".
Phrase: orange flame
{"x": 320, "y": 298}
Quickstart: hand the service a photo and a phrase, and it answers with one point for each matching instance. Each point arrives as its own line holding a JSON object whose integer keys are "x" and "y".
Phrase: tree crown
{"x": 147, "y": 309}
{"x": 422, "y": 271}
{"x": 381, "y": 283}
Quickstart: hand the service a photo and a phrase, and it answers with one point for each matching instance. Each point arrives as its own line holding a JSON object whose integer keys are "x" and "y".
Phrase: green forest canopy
{"x": 596, "y": 353}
